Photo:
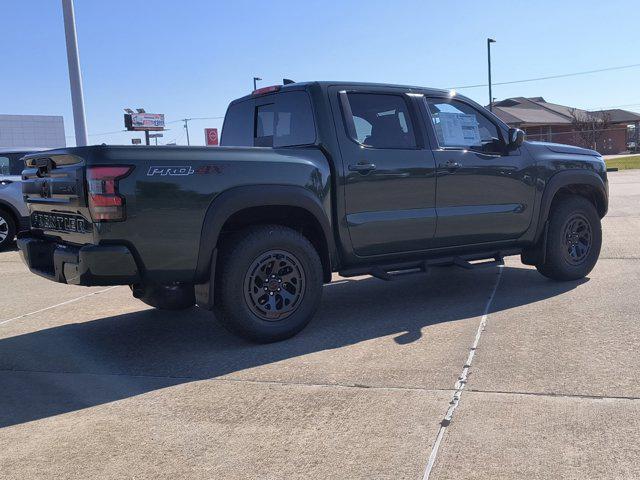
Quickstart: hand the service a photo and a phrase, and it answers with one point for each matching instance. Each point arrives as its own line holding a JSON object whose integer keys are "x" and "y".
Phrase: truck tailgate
{"x": 54, "y": 188}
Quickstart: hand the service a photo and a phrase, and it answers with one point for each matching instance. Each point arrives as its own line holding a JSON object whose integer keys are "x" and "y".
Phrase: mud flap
{"x": 537, "y": 254}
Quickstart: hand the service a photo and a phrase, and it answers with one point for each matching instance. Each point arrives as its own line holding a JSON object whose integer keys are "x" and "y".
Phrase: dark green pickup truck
{"x": 312, "y": 178}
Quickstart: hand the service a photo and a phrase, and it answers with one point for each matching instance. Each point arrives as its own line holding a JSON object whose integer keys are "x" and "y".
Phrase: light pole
{"x": 75, "y": 78}
{"x": 489, "y": 42}
{"x": 256, "y": 79}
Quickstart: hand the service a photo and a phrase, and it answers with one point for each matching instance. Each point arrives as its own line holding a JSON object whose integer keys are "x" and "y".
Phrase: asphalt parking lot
{"x": 95, "y": 384}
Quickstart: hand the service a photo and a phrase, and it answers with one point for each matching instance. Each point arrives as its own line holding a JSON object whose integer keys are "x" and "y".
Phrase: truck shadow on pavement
{"x": 78, "y": 365}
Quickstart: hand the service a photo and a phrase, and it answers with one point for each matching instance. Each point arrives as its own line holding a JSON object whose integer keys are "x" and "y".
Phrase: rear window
{"x": 282, "y": 120}
{"x": 238, "y": 125}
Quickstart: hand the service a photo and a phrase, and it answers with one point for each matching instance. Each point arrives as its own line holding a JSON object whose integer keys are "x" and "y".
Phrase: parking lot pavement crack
{"x": 462, "y": 380}
{"x": 556, "y": 395}
{"x": 619, "y": 258}
{"x": 233, "y": 380}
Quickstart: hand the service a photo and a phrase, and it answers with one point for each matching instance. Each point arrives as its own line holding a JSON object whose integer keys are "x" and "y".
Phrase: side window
{"x": 5, "y": 166}
{"x": 381, "y": 120}
{"x": 458, "y": 125}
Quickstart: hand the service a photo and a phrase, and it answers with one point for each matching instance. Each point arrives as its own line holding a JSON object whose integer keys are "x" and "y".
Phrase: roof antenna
{"x": 287, "y": 81}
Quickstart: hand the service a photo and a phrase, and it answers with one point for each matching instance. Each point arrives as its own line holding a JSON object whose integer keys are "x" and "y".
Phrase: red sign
{"x": 211, "y": 136}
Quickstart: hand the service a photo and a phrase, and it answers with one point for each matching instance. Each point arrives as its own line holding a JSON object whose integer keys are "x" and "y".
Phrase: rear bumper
{"x": 90, "y": 265}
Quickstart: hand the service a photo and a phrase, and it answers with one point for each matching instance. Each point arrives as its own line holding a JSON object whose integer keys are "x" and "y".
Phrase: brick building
{"x": 550, "y": 122}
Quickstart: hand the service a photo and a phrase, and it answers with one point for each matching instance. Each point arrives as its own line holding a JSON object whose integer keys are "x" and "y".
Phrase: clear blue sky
{"x": 190, "y": 58}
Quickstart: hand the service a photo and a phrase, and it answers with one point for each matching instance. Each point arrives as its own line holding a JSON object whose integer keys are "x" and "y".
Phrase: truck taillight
{"x": 105, "y": 203}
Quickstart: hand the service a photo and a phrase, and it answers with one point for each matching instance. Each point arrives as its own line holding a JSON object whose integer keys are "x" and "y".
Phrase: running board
{"x": 462, "y": 263}
{"x": 394, "y": 271}
{"x": 387, "y": 276}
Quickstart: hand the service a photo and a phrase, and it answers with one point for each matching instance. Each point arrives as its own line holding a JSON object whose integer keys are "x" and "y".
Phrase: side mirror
{"x": 516, "y": 137}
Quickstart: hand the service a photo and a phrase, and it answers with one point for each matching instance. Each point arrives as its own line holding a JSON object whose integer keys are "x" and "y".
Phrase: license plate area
{"x": 60, "y": 222}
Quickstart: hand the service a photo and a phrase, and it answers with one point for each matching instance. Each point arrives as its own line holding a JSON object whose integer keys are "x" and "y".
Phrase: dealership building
{"x": 31, "y": 131}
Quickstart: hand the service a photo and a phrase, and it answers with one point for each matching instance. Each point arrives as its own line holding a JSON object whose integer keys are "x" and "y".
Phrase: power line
{"x": 549, "y": 77}
{"x": 98, "y": 134}
{"x": 166, "y": 123}
{"x": 616, "y": 106}
{"x": 575, "y": 132}
{"x": 195, "y": 118}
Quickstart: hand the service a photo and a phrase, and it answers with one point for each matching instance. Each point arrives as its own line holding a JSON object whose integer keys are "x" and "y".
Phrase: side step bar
{"x": 394, "y": 271}
{"x": 460, "y": 262}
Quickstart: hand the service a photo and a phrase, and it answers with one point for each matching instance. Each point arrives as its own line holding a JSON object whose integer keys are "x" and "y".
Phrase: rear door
{"x": 485, "y": 190}
{"x": 389, "y": 176}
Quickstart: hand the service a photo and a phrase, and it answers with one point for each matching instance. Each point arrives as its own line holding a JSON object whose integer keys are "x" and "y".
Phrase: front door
{"x": 389, "y": 177}
{"x": 485, "y": 190}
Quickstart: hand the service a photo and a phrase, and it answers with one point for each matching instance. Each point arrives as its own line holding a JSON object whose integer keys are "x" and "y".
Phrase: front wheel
{"x": 574, "y": 239}
{"x": 270, "y": 284}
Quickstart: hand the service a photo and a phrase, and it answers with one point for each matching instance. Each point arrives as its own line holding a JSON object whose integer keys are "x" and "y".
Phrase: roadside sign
{"x": 211, "y": 136}
{"x": 155, "y": 135}
{"x": 144, "y": 121}
{"x": 136, "y": 141}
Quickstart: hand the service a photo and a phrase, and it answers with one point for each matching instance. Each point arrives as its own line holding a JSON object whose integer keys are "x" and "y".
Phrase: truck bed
{"x": 166, "y": 197}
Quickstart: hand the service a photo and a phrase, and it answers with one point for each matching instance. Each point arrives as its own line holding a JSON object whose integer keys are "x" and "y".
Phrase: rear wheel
{"x": 574, "y": 239}
{"x": 270, "y": 283}
{"x": 7, "y": 229}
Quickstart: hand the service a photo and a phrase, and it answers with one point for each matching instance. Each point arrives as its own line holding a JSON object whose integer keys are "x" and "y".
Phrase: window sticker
{"x": 459, "y": 129}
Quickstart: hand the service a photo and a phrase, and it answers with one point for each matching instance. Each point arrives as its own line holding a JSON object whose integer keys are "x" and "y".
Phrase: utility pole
{"x": 186, "y": 127}
{"x": 255, "y": 85}
{"x": 489, "y": 42}
{"x": 75, "y": 78}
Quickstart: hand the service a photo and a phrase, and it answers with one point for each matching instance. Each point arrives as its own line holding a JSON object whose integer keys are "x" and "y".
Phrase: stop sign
{"x": 211, "y": 136}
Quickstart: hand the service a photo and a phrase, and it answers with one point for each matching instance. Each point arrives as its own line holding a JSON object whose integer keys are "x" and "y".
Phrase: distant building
{"x": 550, "y": 122}
{"x": 28, "y": 131}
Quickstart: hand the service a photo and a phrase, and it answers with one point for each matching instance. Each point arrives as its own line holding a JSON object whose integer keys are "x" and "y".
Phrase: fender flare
{"x": 571, "y": 177}
{"x": 236, "y": 199}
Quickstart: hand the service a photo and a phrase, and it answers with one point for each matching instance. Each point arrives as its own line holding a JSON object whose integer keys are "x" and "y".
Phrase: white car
{"x": 14, "y": 215}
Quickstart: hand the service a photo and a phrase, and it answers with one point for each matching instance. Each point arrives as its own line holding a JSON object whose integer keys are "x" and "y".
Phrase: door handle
{"x": 452, "y": 164}
{"x": 362, "y": 167}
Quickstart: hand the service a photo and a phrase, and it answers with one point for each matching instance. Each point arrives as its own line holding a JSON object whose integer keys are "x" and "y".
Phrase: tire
{"x": 7, "y": 229}
{"x": 574, "y": 239}
{"x": 166, "y": 297}
{"x": 269, "y": 283}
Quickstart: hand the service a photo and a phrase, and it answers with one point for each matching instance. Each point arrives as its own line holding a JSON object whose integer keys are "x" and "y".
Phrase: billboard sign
{"x": 211, "y": 136}
{"x": 144, "y": 121}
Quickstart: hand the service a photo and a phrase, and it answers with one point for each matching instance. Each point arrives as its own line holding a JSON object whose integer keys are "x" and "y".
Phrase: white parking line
{"x": 58, "y": 305}
{"x": 462, "y": 381}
